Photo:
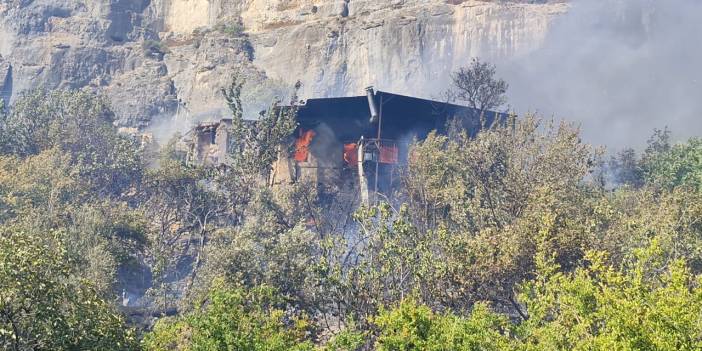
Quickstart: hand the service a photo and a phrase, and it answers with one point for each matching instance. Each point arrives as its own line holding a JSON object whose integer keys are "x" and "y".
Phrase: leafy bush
{"x": 516, "y": 218}
{"x": 653, "y": 305}
{"x": 41, "y": 307}
{"x": 233, "y": 319}
{"x": 414, "y": 327}
{"x": 78, "y": 124}
{"x": 154, "y": 48}
{"x": 678, "y": 166}
{"x": 234, "y": 30}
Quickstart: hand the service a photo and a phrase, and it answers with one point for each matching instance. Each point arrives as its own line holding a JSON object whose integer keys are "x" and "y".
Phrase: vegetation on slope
{"x": 517, "y": 239}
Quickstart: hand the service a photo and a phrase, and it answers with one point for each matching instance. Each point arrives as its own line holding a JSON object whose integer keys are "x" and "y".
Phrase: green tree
{"x": 650, "y": 305}
{"x": 675, "y": 166}
{"x": 44, "y": 192}
{"x": 65, "y": 171}
{"x": 42, "y": 308}
{"x": 233, "y": 319}
{"x": 476, "y": 84}
{"x": 256, "y": 144}
{"x": 79, "y": 124}
{"x": 410, "y": 327}
{"x": 42, "y": 186}
{"x": 479, "y": 202}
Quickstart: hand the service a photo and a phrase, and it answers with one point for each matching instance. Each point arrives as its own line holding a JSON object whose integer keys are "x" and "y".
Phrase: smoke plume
{"x": 619, "y": 67}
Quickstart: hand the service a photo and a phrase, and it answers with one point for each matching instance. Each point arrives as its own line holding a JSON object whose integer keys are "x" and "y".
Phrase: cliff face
{"x": 340, "y": 47}
{"x": 156, "y": 58}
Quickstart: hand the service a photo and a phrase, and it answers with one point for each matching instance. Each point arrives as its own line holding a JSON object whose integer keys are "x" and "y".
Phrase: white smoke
{"x": 619, "y": 67}
{"x": 256, "y": 97}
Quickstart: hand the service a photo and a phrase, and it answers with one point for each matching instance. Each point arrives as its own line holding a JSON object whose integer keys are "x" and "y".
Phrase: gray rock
{"x": 156, "y": 59}
{"x": 406, "y": 46}
{"x": 5, "y": 81}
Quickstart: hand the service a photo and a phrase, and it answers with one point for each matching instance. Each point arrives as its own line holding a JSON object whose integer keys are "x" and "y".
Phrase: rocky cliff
{"x": 160, "y": 58}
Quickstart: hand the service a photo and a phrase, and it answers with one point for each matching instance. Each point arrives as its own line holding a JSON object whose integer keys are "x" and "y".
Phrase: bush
{"x": 680, "y": 165}
{"x": 154, "y": 48}
{"x": 234, "y": 30}
{"x": 654, "y": 305}
{"x": 42, "y": 307}
{"x": 233, "y": 319}
{"x": 414, "y": 327}
{"x": 77, "y": 124}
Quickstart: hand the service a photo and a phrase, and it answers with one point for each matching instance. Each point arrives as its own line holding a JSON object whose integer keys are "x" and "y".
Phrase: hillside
{"x": 375, "y": 222}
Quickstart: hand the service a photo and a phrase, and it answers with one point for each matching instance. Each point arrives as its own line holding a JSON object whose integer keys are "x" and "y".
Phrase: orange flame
{"x": 389, "y": 154}
{"x": 302, "y": 145}
{"x": 351, "y": 154}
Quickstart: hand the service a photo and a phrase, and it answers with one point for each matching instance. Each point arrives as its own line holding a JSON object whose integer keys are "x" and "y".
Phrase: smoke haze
{"x": 620, "y": 68}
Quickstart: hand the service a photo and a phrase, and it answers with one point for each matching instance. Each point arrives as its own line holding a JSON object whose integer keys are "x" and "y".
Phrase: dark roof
{"x": 349, "y": 117}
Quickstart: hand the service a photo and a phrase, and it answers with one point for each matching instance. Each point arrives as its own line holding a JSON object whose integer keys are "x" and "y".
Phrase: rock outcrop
{"x": 5, "y": 80}
{"x": 160, "y": 58}
{"x": 339, "y": 47}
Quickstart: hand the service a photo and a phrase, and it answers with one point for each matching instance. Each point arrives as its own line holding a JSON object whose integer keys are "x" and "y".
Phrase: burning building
{"x": 206, "y": 144}
{"x": 360, "y": 141}
{"x": 365, "y": 139}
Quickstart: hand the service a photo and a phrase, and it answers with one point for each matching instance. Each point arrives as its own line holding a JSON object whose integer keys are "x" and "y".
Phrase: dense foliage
{"x": 41, "y": 308}
{"x": 520, "y": 238}
{"x": 233, "y": 319}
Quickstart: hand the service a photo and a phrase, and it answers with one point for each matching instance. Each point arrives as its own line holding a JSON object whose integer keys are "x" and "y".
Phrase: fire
{"x": 389, "y": 154}
{"x": 351, "y": 154}
{"x": 302, "y": 145}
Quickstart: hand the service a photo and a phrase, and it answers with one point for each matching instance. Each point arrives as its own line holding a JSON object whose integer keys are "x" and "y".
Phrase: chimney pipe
{"x": 371, "y": 104}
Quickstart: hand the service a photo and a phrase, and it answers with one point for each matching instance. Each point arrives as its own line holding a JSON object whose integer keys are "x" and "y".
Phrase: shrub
{"x": 154, "y": 48}
{"x": 414, "y": 327}
{"x": 233, "y": 319}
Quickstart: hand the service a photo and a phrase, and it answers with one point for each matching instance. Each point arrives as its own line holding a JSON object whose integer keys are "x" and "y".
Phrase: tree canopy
{"x": 521, "y": 237}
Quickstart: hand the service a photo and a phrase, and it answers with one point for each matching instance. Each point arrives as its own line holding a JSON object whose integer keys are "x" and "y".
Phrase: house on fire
{"x": 360, "y": 140}
{"x": 207, "y": 143}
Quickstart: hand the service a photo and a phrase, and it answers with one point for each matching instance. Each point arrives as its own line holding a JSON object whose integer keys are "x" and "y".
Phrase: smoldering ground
{"x": 619, "y": 67}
